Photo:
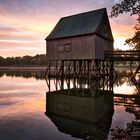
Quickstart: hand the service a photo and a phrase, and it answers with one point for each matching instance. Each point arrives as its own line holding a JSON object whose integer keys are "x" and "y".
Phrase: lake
{"x": 24, "y": 103}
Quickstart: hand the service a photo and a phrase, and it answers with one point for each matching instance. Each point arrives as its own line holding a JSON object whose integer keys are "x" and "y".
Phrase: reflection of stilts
{"x": 133, "y": 78}
{"x": 137, "y": 71}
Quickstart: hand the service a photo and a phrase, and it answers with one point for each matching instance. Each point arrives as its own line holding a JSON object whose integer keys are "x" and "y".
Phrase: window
{"x": 60, "y": 48}
{"x": 67, "y": 47}
{"x": 64, "y": 48}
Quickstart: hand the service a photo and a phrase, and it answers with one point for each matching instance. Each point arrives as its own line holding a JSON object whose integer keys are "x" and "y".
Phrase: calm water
{"x": 23, "y": 106}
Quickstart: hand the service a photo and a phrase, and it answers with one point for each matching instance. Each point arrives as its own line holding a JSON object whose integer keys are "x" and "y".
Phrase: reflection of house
{"x": 80, "y": 116}
{"x": 88, "y": 109}
{"x": 79, "y": 129}
{"x": 82, "y": 36}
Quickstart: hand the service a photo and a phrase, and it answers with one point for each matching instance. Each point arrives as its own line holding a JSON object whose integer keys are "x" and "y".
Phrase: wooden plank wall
{"x": 83, "y": 47}
{"x": 102, "y": 45}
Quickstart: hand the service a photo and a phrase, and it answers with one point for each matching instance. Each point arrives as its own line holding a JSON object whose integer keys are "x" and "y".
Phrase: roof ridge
{"x": 84, "y": 13}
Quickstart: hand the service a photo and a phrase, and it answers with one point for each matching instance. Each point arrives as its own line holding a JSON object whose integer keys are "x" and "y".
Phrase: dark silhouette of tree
{"x": 1, "y": 60}
{"x": 18, "y": 60}
{"x": 37, "y": 60}
{"x": 26, "y": 60}
{"x": 132, "y": 7}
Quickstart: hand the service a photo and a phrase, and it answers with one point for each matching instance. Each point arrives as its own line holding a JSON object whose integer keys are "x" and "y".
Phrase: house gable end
{"x": 104, "y": 29}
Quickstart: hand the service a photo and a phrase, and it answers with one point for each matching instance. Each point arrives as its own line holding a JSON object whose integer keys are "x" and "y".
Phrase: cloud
{"x": 8, "y": 32}
{"x": 14, "y": 48}
{"x": 19, "y": 52}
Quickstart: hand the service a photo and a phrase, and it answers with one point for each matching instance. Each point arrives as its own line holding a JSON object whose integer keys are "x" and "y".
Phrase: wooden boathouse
{"x": 77, "y": 45}
{"x": 82, "y": 36}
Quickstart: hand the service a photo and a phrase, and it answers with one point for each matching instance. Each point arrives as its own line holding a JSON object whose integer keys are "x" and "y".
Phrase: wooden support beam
{"x": 88, "y": 73}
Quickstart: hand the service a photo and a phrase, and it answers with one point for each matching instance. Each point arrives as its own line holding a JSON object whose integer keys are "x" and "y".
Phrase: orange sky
{"x": 24, "y": 24}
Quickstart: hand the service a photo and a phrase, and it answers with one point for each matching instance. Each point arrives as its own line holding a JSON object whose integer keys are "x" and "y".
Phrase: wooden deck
{"x": 123, "y": 55}
{"x": 131, "y": 56}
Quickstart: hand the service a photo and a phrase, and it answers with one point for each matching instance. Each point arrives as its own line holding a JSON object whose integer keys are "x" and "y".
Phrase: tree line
{"x": 37, "y": 60}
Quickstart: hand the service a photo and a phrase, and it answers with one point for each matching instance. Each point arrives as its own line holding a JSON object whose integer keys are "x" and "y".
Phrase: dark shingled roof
{"x": 76, "y": 25}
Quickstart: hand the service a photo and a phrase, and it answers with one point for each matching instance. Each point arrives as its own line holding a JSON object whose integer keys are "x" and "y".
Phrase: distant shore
{"x": 23, "y": 68}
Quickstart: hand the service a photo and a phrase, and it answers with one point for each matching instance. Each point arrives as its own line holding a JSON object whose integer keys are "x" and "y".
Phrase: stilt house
{"x": 81, "y": 36}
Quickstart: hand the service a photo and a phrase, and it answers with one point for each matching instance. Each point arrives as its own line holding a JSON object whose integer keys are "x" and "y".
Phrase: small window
{"x": 60, "y": 48}
{"x": 67, "y": 47}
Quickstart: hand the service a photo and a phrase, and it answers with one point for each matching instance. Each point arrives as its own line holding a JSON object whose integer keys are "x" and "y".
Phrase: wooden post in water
{"x": 62, "y": 75}
{"x": 49, "y": 76}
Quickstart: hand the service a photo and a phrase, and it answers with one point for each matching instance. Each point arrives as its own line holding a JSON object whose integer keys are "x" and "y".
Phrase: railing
{"x": 122, "y": 55}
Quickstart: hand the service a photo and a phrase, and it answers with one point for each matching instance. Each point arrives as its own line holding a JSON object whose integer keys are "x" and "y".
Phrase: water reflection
{"x": 83, "y": 112}
{"x": 127, "y": 100}
{"x": 126, "y": 83}
{"x": 22, "y": 107}
{"x": 87, "y": 105}
{"x": 123, "y": 83}
{"x": 38, "y": 74}
{"x": 123, "y": 77}
{"x": 80, "y": 116}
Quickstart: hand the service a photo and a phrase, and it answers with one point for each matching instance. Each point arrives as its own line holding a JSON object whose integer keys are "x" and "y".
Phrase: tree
{"x": 24, "y": 61}
{"x": 133, "y": 8}
{"x": 1, "y": 61}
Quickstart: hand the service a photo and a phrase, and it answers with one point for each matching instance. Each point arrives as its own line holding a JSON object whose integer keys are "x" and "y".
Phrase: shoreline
{"x": 44, "y": 67}
{"x": 23, "y": 68}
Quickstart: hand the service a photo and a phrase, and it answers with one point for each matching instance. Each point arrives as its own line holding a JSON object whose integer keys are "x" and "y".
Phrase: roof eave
{"x": 47, "y": 38}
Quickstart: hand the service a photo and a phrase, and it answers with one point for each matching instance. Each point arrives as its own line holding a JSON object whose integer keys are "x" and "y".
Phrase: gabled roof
{"x": 79, "y": 24}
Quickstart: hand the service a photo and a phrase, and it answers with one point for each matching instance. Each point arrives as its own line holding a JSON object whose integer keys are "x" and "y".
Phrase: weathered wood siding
{"x": 101, "y": 46}
{"x": 82, "y": 47}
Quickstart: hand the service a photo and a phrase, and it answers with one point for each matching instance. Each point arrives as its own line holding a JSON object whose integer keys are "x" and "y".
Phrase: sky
{"x": 24, "y": 24}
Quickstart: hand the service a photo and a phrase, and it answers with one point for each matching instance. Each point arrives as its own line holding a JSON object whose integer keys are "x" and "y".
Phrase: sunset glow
{"x": 25, "y": 24}
{"x": 125, "y": 89}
